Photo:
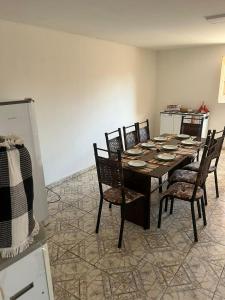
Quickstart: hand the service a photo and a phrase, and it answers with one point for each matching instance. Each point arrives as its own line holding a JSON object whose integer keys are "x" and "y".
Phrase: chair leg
{"x": 198, "y": 155}
{"x": 216, "y": 184}
{"x": 171, "y": 206}
{"x": 194, "y": 221}
{"x": 160, "y": 184}
{"x": 99, "y": 214}
{"x": 203, "y": 211}
{"x": 205, "y": 194}
{"x": 199, "y": 209}
{"x": 166, "y": 205}
{"x": 121, "y": 226}
{"x": 110, "y": 205}
{"x": 160, "y": 212}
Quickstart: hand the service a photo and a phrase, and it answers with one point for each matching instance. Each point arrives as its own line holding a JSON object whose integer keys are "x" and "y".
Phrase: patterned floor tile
{"x": 152, "y": 264}
{"x": 181, "y": 293}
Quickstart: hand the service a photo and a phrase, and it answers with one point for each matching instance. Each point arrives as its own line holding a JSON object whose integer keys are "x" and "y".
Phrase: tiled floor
{"x": 153, "y": 264}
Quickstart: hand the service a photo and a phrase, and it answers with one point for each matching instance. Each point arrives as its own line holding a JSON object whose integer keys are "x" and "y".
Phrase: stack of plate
{"x": 160, "y": 139}
{"x": 137, "y": 163}
{"x": 166, "y": 156}
{"x": 183, "y": 136}
{"x": 188, "y": 142}
{"x": 170, "y": 147}
{"x": 134, "y": 151}
{"x": 148, "y": 145}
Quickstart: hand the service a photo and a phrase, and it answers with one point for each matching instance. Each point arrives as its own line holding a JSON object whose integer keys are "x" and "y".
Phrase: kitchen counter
{"x": 185, "y": 113}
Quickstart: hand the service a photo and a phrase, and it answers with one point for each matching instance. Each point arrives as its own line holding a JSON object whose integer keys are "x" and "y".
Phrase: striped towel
{"x": 17, "y": 224}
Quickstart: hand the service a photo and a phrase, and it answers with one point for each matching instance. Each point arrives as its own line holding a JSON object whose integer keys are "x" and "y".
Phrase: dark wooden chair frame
{"x": 193, "y": 129}
{"x": 140, "y": 127}
{"x": 207, "y": 143}
{"x": 110, "y": 142}
{"x": 113, "y": 176}
{"x": 216, "y": 157}
{"x": 207, "y": 156}
{"x": 132, "y": 132}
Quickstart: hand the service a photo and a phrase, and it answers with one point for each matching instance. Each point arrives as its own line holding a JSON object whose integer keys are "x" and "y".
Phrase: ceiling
{"x": 154, "y": 24}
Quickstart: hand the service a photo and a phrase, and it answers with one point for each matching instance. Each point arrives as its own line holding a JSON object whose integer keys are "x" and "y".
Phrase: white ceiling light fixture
{"x": 214, "y": 19}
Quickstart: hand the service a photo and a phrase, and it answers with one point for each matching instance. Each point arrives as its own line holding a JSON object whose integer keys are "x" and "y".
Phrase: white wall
{"x": 188, "y": 77}
{"x": 82, "y": 87}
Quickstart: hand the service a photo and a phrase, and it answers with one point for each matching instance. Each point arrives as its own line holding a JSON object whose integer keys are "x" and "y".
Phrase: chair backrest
{"x": 110, "y": 171}
{"x": 130, "y": 135}
{"x": 143, "y": 131}
{"x": 192, "y": 125}
{"x": 207, "y": 156}
{"x": 114, "y": 142}
{"x": 219, "y": 139}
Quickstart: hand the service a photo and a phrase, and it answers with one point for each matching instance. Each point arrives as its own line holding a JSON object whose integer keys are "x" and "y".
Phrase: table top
{"x": 156, "y": 167}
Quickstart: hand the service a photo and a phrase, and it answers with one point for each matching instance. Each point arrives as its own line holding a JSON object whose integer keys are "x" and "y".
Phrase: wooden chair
{"x": 191, "y": 193}
{"x": 143, "y": 131}
{"x": 114, "y": 142}
{"x": 182, "y": 175}
{"x": 110, "y": 173}
{"x": 192, "y": 126}
{"x": 213, "y": 168}
{"x": 130, "y": 135}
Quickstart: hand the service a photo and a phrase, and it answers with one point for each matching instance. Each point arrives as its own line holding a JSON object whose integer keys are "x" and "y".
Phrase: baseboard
{"x": 70, "y": 177}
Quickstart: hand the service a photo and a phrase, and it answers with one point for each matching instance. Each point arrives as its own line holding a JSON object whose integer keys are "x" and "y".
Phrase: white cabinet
{"x": 171, "y": 122}
{"x": 28, "y": 278}
{"x": 166, "y": 123}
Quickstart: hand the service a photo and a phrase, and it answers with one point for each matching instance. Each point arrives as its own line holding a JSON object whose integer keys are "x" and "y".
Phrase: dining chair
{"x": 114, "y": 142}
{"x": 110, "y": 173}
{"x": 219, "y": 139}
{"x": 130, "y": 135}
{"x": 189, "y": 176}
{"x": 192, "y": 193}
{"x": 143, "y": 131}
{"x": 192, "y": 125}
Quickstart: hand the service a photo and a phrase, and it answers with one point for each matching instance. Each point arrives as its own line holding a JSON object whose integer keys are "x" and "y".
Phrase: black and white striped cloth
{"x": 17, "y": 223}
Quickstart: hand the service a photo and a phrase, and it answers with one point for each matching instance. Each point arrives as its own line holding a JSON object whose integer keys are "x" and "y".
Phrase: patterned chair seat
{"x": 195, "y": 167}
{"x": 183, "y": 176}
{"x": 183, "y": 190}
{"x": 114, "y": 195}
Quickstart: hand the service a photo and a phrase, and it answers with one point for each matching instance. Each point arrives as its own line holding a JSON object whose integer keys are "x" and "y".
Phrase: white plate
{"x": 188, "y": 142}
{"x": 137, "y": 163}
{"x": 160, "y": 139}
{"x": 170, "y": 147}
{"x": 148, "y": 145}
{"x": 134, "y": 151}
{"x": 183, "y": 136}
{"x": 166, "y": 157}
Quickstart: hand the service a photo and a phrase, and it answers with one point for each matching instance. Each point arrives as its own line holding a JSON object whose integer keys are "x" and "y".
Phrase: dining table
{"x": 139, "y": 179}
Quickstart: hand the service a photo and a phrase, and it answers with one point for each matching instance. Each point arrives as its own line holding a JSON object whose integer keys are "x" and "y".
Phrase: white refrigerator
{"x": 18, "y": 117}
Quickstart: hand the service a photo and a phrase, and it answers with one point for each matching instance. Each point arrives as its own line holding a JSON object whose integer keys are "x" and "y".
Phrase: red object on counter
{"x": 203, "y": 109}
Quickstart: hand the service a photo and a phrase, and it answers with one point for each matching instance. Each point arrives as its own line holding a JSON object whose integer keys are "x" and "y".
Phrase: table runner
{"x": 149, "y": 155}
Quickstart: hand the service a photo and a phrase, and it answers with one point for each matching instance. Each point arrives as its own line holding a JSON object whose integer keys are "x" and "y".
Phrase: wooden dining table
{"x": 140, "y": 179}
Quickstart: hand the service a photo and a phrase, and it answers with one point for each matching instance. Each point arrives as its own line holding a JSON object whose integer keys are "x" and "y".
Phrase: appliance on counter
{"x": 18, "y": 118}
{"x": 170, "y": 122}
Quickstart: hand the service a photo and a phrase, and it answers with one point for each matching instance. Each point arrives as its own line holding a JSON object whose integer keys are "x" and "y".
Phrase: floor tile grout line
{"x": 218, "y": 282}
